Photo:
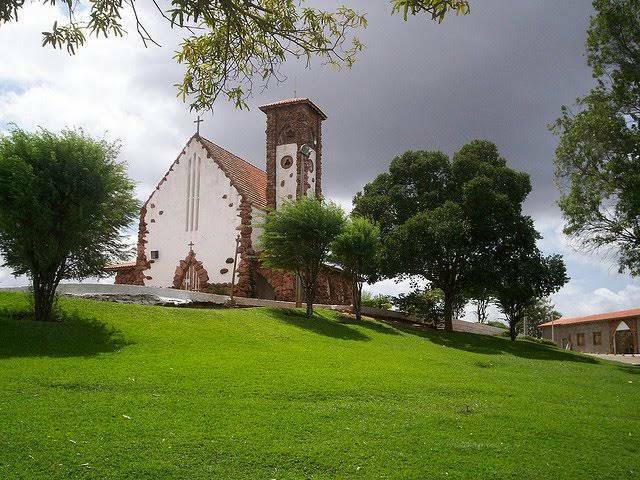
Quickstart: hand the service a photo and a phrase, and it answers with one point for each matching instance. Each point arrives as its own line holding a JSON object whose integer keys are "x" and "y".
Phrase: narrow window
{"x": 192, "y": 193}
{"x": 581, "y": 339}
{"x": 154, "y": 254}
{"x": 197, "y": 194}
{"x": 597, "y": 338}
{"x": 186, "y": 223}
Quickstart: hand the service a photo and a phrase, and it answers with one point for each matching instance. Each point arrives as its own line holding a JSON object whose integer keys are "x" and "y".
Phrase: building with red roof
{"x": 612, "y": 332}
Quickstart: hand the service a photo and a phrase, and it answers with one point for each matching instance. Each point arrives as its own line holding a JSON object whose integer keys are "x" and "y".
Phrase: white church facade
{"x": 199, "y": 228}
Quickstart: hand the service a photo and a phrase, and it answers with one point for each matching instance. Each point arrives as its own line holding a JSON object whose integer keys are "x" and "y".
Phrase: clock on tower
{"x": 294, "y": 150}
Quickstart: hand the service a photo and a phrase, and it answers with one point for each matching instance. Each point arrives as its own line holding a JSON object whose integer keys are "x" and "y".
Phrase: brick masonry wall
{"x": 135, "y": 275}
{"x": 304, "y": 123}
{"x": 333, "y": 287}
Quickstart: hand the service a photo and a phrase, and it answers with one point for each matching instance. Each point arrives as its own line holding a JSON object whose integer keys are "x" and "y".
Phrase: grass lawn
{"x": 125, "y": 391}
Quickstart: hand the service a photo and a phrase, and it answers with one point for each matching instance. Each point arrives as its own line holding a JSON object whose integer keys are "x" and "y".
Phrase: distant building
{"x": 613, "y": 332}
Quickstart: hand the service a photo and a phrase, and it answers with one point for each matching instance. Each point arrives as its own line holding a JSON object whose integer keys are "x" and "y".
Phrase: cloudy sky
{"x": 501, "y": 73}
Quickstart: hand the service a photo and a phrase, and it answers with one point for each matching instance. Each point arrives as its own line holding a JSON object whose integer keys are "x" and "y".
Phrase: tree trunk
{"x": 512, "y": 330}
{"x": 43, "y": 298}
{"x": 448, "y": 311}
{"x": 357, "y": 300}
{"x": 481, "y": 309}
{"x": 310, "y": 294}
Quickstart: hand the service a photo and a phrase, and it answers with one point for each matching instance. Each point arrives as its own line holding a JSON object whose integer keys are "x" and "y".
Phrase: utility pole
{"x": 233, "y": 275}
{"x": 299, "y": 195}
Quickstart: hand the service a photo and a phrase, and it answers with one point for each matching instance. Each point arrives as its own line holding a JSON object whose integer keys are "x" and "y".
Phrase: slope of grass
{"x": 133, "y": 392}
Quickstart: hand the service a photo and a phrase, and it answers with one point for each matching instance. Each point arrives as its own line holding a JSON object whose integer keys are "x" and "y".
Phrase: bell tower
{"x": 294, "y": 150}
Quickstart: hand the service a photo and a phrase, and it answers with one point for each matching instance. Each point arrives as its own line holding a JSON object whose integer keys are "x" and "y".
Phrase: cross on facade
{"x": 198, "y": 122}
{"x": 191, "y": 246}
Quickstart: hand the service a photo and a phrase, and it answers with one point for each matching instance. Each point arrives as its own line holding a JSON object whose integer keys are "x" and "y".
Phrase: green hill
{"x": 125, "y": 391}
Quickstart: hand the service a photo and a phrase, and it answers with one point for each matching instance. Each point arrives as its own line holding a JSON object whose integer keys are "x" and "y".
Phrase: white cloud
{"x": 576, "y": 300}
{"x": 555, "y": 241}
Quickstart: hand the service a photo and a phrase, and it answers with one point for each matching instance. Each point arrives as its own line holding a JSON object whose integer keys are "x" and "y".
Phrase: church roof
{"x": 294, "y": 101}
{"x": 250, "y": 180}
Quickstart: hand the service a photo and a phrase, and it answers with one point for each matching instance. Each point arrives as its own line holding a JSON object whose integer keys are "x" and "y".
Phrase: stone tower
{"x": 292, "y": 124}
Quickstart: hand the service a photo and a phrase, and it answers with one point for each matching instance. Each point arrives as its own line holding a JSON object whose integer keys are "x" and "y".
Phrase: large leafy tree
{"x": 523, "y": 274}
{"x": 598, "y": 156}
{"x": 64, "y": 199}
{"x": 357, "y": 251}
{"x": 297, "y": 238}
{"x": 229, "y": 44}
{"x": 443, "y": 220}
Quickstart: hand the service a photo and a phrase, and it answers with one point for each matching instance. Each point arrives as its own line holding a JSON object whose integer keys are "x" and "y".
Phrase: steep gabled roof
{"x": 619, "y": 315}
{"x": 250, "y": 181}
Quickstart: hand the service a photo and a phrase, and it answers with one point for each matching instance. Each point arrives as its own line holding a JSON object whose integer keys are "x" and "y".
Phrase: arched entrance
{"x": 623, "y": 341}
{"x": 190, "y": 274}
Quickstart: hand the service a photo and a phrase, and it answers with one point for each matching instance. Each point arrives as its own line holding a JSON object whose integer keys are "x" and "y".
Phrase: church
{"x": 199, "y": 229}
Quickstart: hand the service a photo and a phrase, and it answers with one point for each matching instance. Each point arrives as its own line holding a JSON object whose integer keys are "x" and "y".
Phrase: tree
{"x": 427, "y": 305}
{"x": 443, "y": 220}
{"x": 228, "y": 44}
{"x": 297, "y": 238}
{"x": 482, "y": 300}
{"x": 540, "y": 311}
{"x": 438, "y": 246}
{"x": 597, "y": 160}
{"x": 356, "y": 250}
{"x": 64, "y": 199}
{"x": 480, "y": 292}
{"x": 523, "y": 274}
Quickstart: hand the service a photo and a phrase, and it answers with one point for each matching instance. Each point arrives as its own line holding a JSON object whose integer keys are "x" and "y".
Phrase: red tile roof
{"x": 293, "y": 101}
{"x": 247, "y": 178}
{"x": 600, "y": 317}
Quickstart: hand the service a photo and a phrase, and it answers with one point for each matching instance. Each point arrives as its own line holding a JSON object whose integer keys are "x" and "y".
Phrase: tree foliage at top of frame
{"x": 229, "y": 47}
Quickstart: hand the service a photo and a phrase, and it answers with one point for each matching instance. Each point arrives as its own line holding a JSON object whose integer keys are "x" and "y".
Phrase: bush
{"x": 376, "y": 301}
{"x": 498, "y": 324}
{"x": 426, "y": 305}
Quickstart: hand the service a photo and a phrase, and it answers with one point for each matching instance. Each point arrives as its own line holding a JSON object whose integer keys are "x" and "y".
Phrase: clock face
{"x": 286, "y": 162}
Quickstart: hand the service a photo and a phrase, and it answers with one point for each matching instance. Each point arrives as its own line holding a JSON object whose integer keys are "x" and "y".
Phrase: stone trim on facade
{"x": 134, "y": 275}
{"x": 633, "y": 328}
{"x": 246, "y": 264}
{"x": 183, "y": 267}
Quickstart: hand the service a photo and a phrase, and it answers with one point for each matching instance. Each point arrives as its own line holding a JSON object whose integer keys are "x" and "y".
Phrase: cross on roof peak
{"x": 198, "y": 122}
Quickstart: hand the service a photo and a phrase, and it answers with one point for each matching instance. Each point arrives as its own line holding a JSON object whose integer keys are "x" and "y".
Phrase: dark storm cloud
{"x": 501, "y": 73}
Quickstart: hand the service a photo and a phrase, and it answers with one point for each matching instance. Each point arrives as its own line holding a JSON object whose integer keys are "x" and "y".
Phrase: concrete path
{"x": 628, "y": 359}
